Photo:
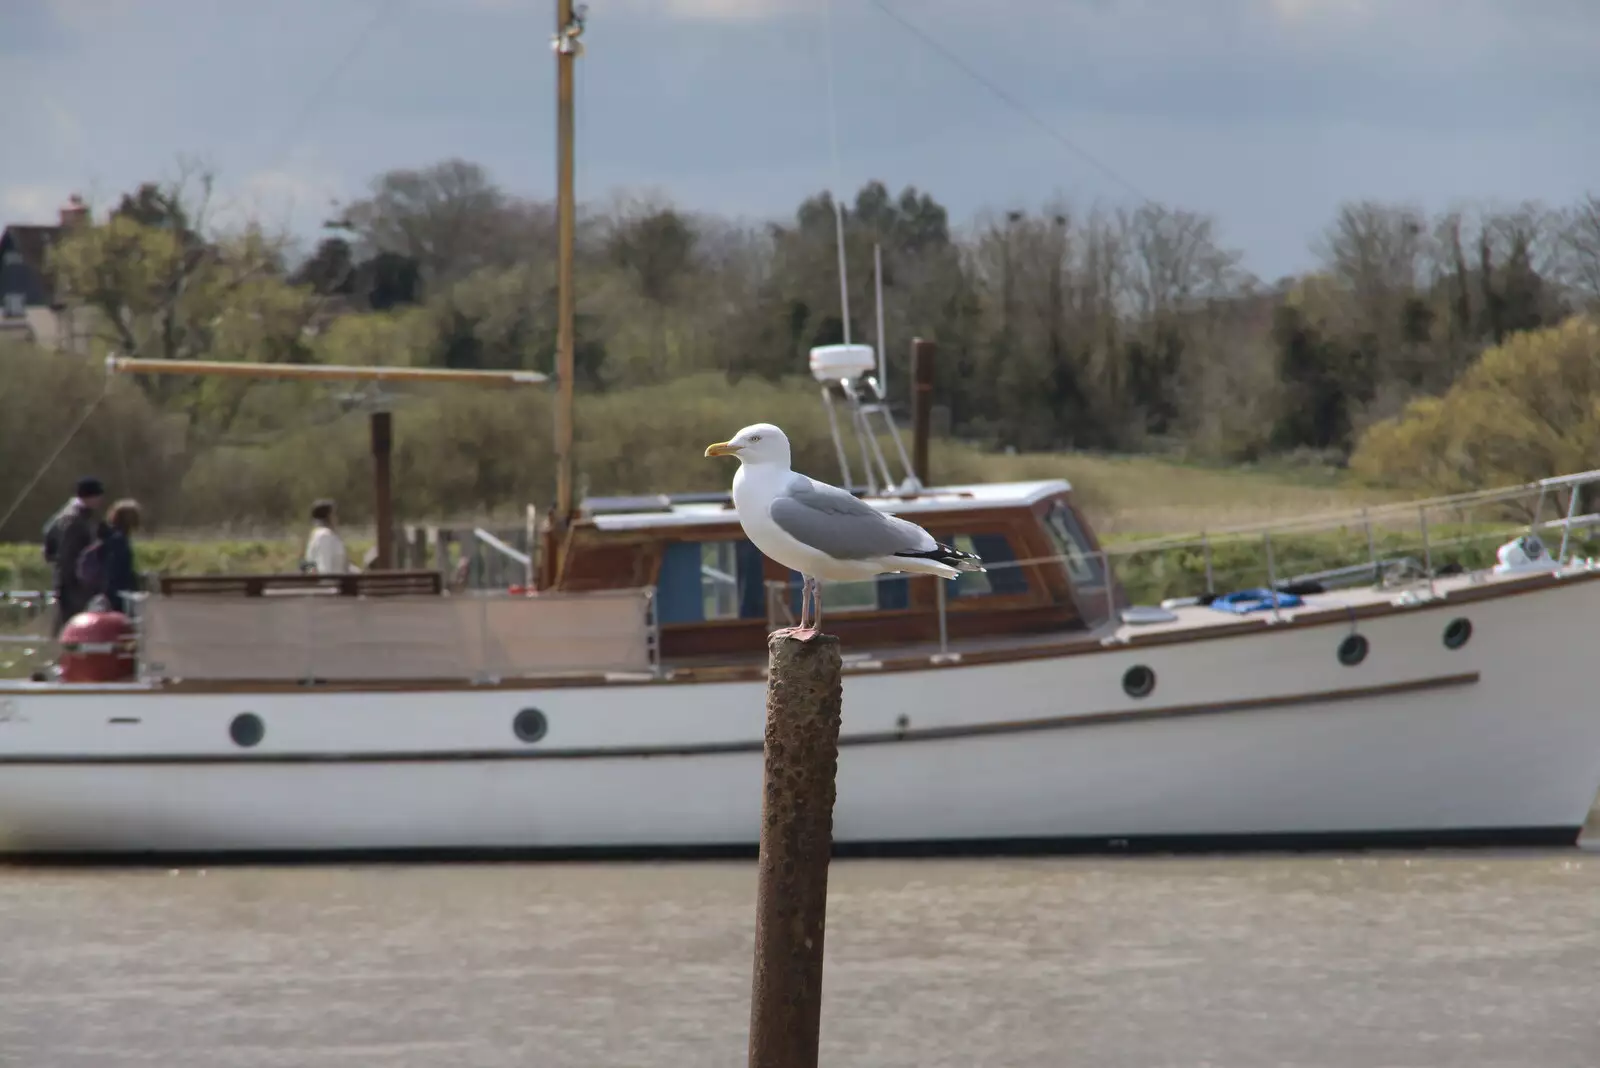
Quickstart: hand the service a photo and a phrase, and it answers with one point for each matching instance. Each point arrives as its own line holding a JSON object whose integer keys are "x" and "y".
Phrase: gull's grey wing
{"x": 843, "y": 526}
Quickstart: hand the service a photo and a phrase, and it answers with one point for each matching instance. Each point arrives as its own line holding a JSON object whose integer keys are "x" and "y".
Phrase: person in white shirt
{"x": 325, "y": 551}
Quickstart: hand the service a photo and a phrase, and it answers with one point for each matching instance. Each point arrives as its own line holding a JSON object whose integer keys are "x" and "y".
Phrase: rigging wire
{"x": 384, "y": 10}
{"x": 934, "y": 45}
{"x": 43, "y": 468}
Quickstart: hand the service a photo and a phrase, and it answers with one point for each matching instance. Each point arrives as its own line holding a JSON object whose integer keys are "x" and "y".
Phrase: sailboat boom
{"x": 322, "y": 371}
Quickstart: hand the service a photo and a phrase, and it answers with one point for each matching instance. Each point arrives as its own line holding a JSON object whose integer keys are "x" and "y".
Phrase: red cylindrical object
{"x": 98, "y": 647}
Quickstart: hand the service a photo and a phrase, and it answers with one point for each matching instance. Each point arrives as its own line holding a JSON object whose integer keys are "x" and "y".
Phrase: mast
{"x": 569, "y": 26}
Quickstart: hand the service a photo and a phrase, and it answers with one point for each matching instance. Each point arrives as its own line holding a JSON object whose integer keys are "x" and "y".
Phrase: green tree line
{"x": 1065, "y": 327}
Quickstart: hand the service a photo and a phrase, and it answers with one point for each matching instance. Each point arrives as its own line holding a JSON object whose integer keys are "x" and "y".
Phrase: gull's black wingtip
{"x": 950, "y": 557}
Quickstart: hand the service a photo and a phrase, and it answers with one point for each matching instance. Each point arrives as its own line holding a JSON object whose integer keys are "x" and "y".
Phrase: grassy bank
{"x": 1124, "y": 497}
{"x": 1128, "y": 499}
{"x": 1148, "y": 575}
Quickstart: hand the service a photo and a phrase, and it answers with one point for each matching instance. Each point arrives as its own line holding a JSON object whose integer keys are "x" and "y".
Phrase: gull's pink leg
{"x": 802, "y": 631}
{"x": 810, "y": 596}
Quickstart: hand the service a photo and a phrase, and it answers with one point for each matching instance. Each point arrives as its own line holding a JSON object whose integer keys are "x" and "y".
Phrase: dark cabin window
{"x": 709, "y": 580}
{"x": 752, "y": 581}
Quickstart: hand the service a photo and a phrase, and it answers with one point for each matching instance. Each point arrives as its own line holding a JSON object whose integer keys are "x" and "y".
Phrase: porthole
{"x": 530, "y": 725}
{"x": 1353, "y": 650}
{"x": 1138, "y": 681}
{"x": 1457, "y": 633}
{"x": 247, "y": 729}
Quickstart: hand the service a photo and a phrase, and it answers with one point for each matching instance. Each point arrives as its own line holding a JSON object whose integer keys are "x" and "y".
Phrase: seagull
{"x": 822, "y": 531}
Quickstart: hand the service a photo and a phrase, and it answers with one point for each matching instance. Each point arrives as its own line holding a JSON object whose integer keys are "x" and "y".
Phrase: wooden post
{"x": 922, "y": 354}
{"x": 804, "y": 698}
{"x": 419, "y": 548}
{"x": 382, "y": 507}
{"x": 530, "y": 530}
{"x": 568, "y": 29}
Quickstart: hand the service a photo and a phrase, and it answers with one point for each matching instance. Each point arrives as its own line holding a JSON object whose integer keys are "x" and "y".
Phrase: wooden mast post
{"x": 569, "y": 27}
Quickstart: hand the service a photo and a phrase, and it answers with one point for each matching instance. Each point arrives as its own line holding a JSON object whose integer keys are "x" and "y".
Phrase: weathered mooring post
{"x": 804, "y": 700}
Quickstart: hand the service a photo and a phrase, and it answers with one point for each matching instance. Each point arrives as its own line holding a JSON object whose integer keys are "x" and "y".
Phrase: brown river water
{"x": 1374, "y": 960}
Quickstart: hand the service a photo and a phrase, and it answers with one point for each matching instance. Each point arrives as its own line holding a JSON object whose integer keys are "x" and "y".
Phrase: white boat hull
{"x": 1263, "y": 734}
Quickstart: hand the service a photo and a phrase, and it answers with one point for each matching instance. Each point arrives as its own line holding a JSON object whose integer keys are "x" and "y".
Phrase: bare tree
{"x": 1580, "y": 249}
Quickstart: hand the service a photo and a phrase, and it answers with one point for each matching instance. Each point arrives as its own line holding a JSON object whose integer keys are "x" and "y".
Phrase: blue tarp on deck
{"x": 1258, "y": 600}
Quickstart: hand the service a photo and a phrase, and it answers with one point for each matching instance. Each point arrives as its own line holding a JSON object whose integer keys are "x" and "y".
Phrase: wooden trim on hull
{"x": 977, "y": 730}
{"x": 1552, "y": 837}
{"x": 1071, "y": 645}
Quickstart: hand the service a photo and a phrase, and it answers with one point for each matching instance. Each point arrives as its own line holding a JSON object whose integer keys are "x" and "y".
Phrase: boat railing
{"x": 25, "y": 638}
{"x": 1401, "y": 546}
{"x": 504, "y": 561}
{"x": 472, "y": 556}
{"x": 1528, "y": 497}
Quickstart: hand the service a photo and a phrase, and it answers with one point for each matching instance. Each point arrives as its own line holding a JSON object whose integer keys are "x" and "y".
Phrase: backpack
{"x": 91, "y": 569}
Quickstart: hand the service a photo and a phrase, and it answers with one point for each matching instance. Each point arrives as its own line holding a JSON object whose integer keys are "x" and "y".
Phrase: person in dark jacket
{"x": 122, "y": 578}
{"x": 73, "y": 530}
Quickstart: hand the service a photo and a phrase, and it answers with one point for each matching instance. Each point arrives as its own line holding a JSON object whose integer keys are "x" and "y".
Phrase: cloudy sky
{"x": 1266, "y": 113}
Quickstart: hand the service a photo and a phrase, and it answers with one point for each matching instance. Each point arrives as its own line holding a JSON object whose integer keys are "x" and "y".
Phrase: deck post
{"x": 1427, "y": 549}
{"x": 1566, "y": 528}
{"x": 804, "y": 698}
{"x": 922, "y": 356}
{"x": 1372, "y": 547}
{"x": 383, "y": 488}
{"x": 1272, "y": 575}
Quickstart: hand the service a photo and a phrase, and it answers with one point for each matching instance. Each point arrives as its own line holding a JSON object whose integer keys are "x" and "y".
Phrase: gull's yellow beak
{"x": 723, "y": 448}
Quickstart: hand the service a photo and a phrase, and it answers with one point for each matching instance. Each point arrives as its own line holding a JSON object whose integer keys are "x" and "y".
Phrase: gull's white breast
{"x": 755, "y": 487}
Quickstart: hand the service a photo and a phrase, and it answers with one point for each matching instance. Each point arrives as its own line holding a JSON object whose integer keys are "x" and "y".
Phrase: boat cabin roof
{"x": 637, "y": 513}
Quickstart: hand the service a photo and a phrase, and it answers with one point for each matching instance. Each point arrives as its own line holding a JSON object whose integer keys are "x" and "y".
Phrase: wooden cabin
{"x": 716, "y": 597}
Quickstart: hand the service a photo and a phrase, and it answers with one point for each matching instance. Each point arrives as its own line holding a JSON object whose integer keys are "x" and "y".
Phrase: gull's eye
{"x": 754, "y": 438}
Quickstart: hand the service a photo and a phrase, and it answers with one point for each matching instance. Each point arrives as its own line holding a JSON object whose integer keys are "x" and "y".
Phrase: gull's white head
{"x": 759, "y": 443}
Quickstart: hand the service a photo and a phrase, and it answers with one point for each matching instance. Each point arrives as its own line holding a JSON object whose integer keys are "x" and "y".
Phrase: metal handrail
{"x": 510, "y": 552}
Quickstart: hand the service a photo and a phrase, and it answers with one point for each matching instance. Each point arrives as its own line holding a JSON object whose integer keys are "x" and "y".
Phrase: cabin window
{"x": 995, "y": 551}
{"x": 1086, "y": 568}
{"x": 707, "y": 580}
{"x": 719, "y": 580}
{"x": 887, "y": 593}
